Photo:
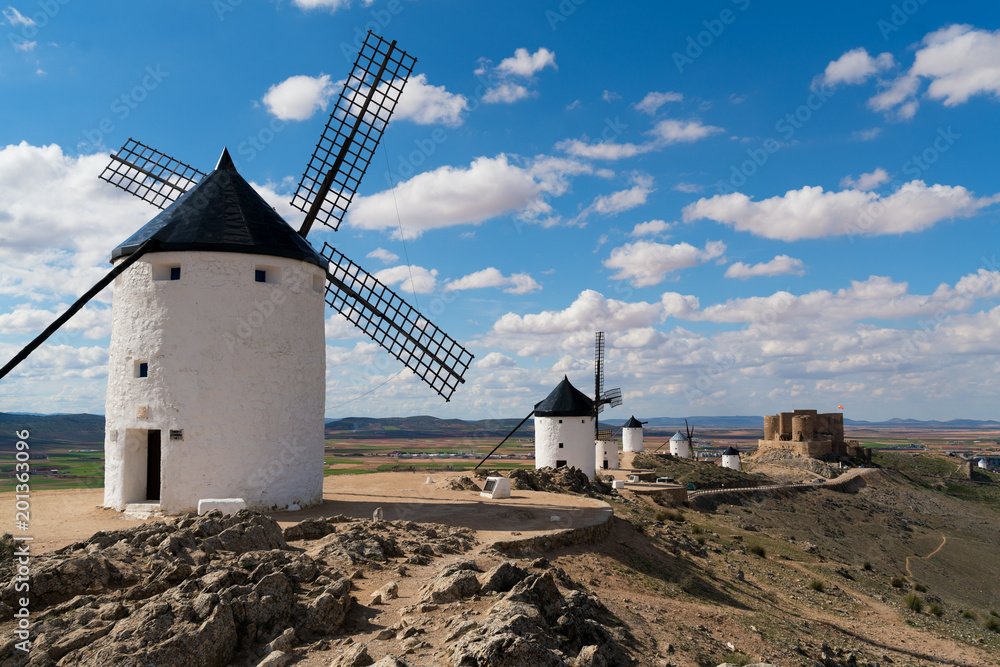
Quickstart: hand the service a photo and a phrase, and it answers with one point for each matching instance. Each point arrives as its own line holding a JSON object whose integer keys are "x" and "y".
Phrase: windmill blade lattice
{"x": 400, "y": 329}
{"x": 352, "y": 133}
{"x": 149, "y": 174}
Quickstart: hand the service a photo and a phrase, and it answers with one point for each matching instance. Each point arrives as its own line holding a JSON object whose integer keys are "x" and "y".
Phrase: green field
{"x": 75, "y": 470}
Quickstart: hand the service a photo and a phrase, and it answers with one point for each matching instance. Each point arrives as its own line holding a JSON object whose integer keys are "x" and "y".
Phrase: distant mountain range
{"x": 86, "y": 429}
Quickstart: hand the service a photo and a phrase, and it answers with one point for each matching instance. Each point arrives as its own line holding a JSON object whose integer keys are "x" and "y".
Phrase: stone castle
{"x": 808, "y": 433}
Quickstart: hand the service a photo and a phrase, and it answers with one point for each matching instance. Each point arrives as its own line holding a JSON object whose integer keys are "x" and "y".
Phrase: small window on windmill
{"x": 560, "y": 421}
{"x": 142, "y": 369}
{"x": 266, "y": 274}
{"x": 176, "y": 434}
{"x": 560, "y": 445}
{"x": 166, "y": 271}
{"x": 560, "y": 464}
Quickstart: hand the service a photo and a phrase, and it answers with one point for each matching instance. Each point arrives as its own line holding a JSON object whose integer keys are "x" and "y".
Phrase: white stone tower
{"x": 731, "y": 458}
{"x": 679, "y": 446}
{"x": 564, "y": 429}
{"x": 217, "y": 363}
{"x": 632, "y": 435}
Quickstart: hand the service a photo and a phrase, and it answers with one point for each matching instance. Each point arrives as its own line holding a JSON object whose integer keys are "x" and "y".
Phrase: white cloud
{"x": 780, "y": 265}
{"x": 330, "y": 5}
{"x": 866, "y": 135}
{"x": 383, "y": 255}
{"x": 26, "y": 47}
{"x": 624, "y": 200}
{"x": 855, "y": 67}
{"x": 517, "y": 283}
{"x": 959, "y": 61}
{"x": 677, "y": 131}
{"x": 590, "y": 309}
{"x": 526, "y": 64}
{"x": 654, "y": 100}
{"x": 449, "y": 196}
{"x": 650, "y": 228}
{"x": 409, "y": 279}
{"x": 495, "y": 360}
{"x": 513, "y": 75}
{"x": 688, "y": 187}
{"x": 646, "y": 263}
{"x": 866, "y": 181}
{"x": 425, "y": 104}
{"x": 299, "y": 97}
{"x": 506, "y": 93}
{"x": 664, "y": 133}
{"x": 811, "y": 213}
{"x": 16, "y": 18}
{"x": 610, "y": 96}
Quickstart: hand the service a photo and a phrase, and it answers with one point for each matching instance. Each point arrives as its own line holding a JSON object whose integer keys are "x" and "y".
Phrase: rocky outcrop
{"x": 558, "y": 480}
{"x": 534, "y": 623}
{"x": 211, "y": 591}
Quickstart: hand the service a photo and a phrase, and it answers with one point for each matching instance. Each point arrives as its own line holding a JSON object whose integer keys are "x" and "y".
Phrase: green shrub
{"x": 757, "y": 550}
{"x": 936, "y": 608}
{"x": 914, "y": 602}
{"x": 993, "y": 612}
{"x": 920, "y": 588}
{"x": 661, "y": 515}
{"x": 992, "y": 624}
{"x": 968, "y": 613}
{"x": 700, "y": 540}
{"x": 868, "y": 565}
{"x": 673, "y": 515}
{"x": 897, "y": 582}
{"x": 817, "y": 585}
{"x": 696, "y": 529}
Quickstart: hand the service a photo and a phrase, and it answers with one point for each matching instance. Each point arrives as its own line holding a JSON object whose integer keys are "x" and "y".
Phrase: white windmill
{"x": 216, "y": 380}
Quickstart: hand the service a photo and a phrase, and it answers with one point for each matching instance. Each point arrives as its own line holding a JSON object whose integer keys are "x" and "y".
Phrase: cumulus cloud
{"x": 425, "y": 104}
{"x": 646, "y": 263}
{"x": 514, "y": 74}
{"x": 449, "y": 196}
{"x": 868, "y": 181}
{"x": 588, "y": 310}
{"x": 16, "y": 18}
{"x": 650, "y": 228}
{"x": 811, "y": 213}
{"x": 624, "y": 200}
{"x": 654, "y": 100}
{"x": 780, "y": 265}
{"x": 855, "y": 67}
{"x": 958, "y": 62}
{"x": 664, "y": 133}
{"x": 525, "y": 64}
{"x": 495, "y": 360}
{"x": 299, "y": 97}
{"x": 414, "y": 279}
{"x": 383, "y": 255}
{"x": 517, "y": 283}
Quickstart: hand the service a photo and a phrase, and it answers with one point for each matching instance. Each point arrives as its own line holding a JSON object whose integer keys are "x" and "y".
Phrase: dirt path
{"x": 944, "y": 541}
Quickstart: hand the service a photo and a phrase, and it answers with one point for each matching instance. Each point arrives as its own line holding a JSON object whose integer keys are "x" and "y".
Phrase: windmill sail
{"x": 352, "y": 133}
{"x": 391, "y": 322}
{"x": 149, "y": 174}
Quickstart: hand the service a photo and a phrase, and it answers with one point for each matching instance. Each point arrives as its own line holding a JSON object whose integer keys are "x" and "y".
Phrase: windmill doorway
{"x": 153, "y": 464}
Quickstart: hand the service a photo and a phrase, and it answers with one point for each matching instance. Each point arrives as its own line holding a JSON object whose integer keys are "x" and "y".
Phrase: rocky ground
{"x": 818, "y": 577}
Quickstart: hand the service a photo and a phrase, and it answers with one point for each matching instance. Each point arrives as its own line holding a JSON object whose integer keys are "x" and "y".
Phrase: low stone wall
{"x": 531, "y": 546}
{"x": 708, "y": 500}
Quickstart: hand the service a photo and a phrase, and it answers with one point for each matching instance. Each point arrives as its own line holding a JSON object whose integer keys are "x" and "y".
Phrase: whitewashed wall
{"x": 239, "y": 366}
{"x": 731, "y": 461}
{"x": 632, "y": 439}
{"x": 577, "y": 436}
{"x": 605, "y": 450}
{"x": 680, "y": 448}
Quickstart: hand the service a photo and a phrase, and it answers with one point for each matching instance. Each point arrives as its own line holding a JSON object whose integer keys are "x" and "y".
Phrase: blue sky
{"x": 764, "y": 206}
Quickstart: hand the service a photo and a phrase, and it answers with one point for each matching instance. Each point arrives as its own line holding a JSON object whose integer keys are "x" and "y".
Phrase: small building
{"x": 606, "y": 455}
{"x": 731, "y": 458}
{"x": 632, "y": 435}
{"x": 564, "y": 429}
{"x": 679, "y": 446}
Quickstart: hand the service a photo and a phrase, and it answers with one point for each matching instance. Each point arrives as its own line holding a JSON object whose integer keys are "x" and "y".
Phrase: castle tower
{"x": 632, "y": 435}
{"x": 564, "y": 429}
{"x": 217, "y": 362}
{"x": 679, "y": 446}
{"x": 731, "y": 458}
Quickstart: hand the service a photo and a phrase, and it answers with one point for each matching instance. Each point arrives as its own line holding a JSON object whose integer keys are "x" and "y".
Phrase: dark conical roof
{"x": 633, "y": 423}
{"x": 565, "y": 401}
{"x": 731, "y": 451}
{"x": 222, "y": 213}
